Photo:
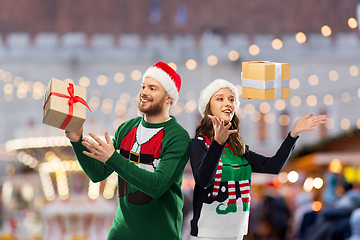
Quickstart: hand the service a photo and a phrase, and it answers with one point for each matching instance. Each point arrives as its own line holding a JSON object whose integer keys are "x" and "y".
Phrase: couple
{"x": 149, "y": 154}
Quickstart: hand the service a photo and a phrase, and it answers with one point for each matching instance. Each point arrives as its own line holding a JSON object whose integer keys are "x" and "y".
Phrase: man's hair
{"x": 205, "y": 128}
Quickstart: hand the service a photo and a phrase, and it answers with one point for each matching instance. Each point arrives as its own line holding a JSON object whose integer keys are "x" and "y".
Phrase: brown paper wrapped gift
{"x": 265, "y": 80}
{"x": 64, "y": 105}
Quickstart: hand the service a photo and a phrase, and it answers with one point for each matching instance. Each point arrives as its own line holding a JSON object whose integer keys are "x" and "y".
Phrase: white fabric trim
{"x": 165, "y": 80}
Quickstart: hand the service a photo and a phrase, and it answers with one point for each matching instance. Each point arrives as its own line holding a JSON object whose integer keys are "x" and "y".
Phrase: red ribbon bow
{"x": 72, "y": 99}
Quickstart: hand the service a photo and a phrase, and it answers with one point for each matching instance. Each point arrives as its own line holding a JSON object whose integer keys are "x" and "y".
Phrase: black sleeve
{"x": 274, "y": 164}
{"x": 204, "y": 161}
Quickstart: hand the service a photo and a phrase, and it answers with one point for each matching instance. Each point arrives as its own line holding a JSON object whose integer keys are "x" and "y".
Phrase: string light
{"x": 300, "y": 37}
{"x": 191, "y": 64}
{"x": 311, "y": 100}
{"x": 212, "y": 60}
{"x": 295, "y": 101}
{"x": 277, "y": 44}
{"x": 352, "y": 23}
{"x": 345, "y": 123}
{"x": 119, "y": 77}
{"x": 102, "y": 80}
{"x": 254, "y": 50}
{"x": 234, "y": 55}
{"x": 328, "y": 99}
{"x": 136, "y": 75}
{"x": 326, "y": 30}
{"x": 84, "y": 81}
{"x": 294, "y": 83}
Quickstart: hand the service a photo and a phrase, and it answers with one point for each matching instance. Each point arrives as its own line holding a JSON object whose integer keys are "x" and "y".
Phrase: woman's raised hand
{"x": 221, "y": 132}
{"x": 307, "y": 123}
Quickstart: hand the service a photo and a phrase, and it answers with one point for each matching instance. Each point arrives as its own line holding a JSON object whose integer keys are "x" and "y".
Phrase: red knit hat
{"x": 167, "y": 77}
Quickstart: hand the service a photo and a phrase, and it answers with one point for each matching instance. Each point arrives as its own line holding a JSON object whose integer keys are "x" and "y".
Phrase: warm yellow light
{"x": 280, "y": 105}
{"x": 119, "y": 77}
{"x": 173, "y": 66}
{"x": 136, "y": 75}
{"x": 176, "y": 109}
{"x": 335, "y": 166}
{"x": 326, "y": 30}
{"x": 191, "y": 64}
{"x": 264, "y": 107}
{"x": 293, "y": 176}
{"x": 313, "y": 80}
{"x": 94, "y": 103}
{"x": 102, "y": 80}
{"x": 294, "y": 83}
{"x": 295, "y": 101}
{"x": 283, "y": 177}
{"x": 328, "y": 99}
{"x": 329, "y": 123}
{"x": 10, "y": 169}
{"x": 354, "y": 71}
{"x": 308, "y": 184}
{"x": 249, "y": 108}
{"x": 84, "y": 81}
{"x": 125, "y": 96}
{"x": 318, "y": 183}
{"x": 333, "y": 75}
{"x": 190, "y": 106}
{"x": 277, "y": 44}
{"x": 254, "y": 50}
{"x": 352, "y": 23}
{"x": 7, "y": 77}
{"x": 255, "y": 116}
{"x": 300, "y": 37}
{"x": 345, "y": 123}
{"x": 346, "y": 97}
{"x": 8, "y": 88}
{"x": 311, "y": 100}
{"x": 212, "y": 60}
{"x": 284, "y": 120}
{"x": 316, "y": 206}
{"x": 358, "y": 123}
{"x": 233, "y": 55}
{"x": 269, "y": 118}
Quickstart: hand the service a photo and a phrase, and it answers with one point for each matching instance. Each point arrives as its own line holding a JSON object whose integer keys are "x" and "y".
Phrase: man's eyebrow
{"x": 150, "y": 85}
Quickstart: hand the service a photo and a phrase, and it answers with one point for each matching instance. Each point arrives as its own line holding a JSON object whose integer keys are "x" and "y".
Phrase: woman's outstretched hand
{"x": 221, "y": 132}
{"x": 307, "y": 123}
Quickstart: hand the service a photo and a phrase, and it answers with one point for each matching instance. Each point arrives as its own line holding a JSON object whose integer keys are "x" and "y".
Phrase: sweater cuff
{"x": 291, "y": 138}
{"x": 78, "y": 142}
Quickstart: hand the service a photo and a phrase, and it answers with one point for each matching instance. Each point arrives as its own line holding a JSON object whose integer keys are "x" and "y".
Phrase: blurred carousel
{"x": 46, "y": 195}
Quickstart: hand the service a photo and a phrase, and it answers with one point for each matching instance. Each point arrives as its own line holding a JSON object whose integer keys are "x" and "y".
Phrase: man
{"x": 149, "y": 154}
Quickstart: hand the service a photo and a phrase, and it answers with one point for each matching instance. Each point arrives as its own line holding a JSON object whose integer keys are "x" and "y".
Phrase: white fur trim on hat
{"x": 213, "y": 88}
{"x": 165, "y": 80}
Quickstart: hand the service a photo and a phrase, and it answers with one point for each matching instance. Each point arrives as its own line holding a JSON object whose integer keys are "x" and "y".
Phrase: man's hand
{"x": 99, "y": 150}
{"x": 307, "y": 123}
{"x": 74, "y": 137}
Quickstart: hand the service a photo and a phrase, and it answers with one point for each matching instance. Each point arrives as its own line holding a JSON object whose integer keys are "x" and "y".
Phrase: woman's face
{"x": 222, "y": 104}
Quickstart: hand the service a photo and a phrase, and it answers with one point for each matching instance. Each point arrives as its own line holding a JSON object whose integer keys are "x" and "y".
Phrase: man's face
{"x": 152, "y": 97}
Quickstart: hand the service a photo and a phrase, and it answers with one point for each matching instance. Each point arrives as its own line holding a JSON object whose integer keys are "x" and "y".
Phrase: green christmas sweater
{"x": 150, "y": 160}
{"x": 221, "y": 201}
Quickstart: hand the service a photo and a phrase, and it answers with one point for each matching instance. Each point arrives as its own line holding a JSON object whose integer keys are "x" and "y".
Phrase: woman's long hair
{"x": 205, "y": 128}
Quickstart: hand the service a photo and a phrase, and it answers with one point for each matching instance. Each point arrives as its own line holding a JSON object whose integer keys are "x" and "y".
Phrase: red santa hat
{"x": 167, "y": 77}
{"x": 212, "y": 88}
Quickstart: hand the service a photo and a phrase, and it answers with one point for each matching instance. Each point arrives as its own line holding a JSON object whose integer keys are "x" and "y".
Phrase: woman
{"x": 222, "y": 164}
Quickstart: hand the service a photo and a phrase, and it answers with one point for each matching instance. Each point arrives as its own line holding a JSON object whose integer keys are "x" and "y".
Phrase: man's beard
{"x": 154, "y": 109}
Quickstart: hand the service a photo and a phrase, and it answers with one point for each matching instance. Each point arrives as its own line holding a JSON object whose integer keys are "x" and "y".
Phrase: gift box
{"x": 265, "y": 80}
{"x": 64, "y": 105}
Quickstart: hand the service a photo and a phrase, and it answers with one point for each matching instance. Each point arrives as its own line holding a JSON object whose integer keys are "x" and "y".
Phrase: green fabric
{"x": 239, "y": 170}
{"x": 161, "y": 218}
